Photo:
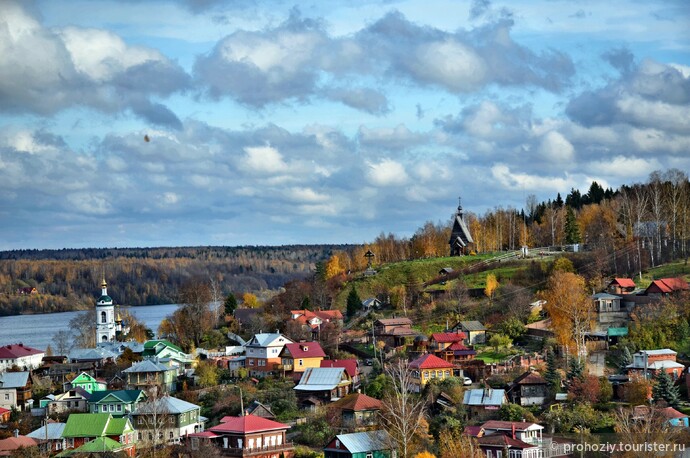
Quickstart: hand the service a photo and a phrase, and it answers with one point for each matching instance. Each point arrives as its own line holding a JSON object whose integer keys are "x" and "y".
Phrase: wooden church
{"x": 460, "y": 239}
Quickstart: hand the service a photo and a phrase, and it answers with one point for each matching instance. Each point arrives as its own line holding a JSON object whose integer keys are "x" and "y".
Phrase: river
{"x": 37, "y": 330}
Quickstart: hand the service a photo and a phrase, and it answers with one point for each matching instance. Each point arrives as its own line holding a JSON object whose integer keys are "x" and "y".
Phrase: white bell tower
{"x": 105, "y": 317}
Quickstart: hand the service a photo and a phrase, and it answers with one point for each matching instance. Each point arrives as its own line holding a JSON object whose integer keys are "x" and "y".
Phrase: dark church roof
{"x": 460, "y": 235}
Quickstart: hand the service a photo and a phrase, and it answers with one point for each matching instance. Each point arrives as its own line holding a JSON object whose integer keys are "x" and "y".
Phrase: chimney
{"x": 513, "y": 429}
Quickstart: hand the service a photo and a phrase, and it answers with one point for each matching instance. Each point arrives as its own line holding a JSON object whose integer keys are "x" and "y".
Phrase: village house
{"x": 21, "y": 356}
{"x": 620, "y": 286}
{"x": 440, "y": 341}
{"x": 166, "y": 352}
{"x": 297, "y": 357}
{"x": 483, "y": 402}
{"x": 357, "y": 412}
{"x": 529, "y": 389}
{"x": 322, "y": 385}
{"x": 610, "y": 313}
{"x": 530, "y": 433}
{"x": 474, "y": 330}
{"x": 371, "y": 303}
{"x": 314, "y": 319}
{"x": 260, "y": 410}
{"x": 84, "y": 427}
{"x": 95, "y": 357}
{"x": 173, "y": 418}
{"x": 505, "y": 446}
{"x": 251, "y": 435}
{"x": 145, "y": 373}
{"x": 15, "y": 390}
{"x": 87, "y": 383}
{"x": 351, "y": 366}
{"x": 49, "y": 437}
{"x": 263, "y": 353}
{"x": 654, "y": 361}
{"x": 368, "y": 444}
{"x": 666, "y": 287}
{"x": 118, "y": 403}
{"x": 4, "y": 415}
{"x": 98, "y": 447}
{"x": 75, "y": 400}
{"x": 12, "y": 444}
{"x": 426, "y": 368}
{"x": 394, "y": 331}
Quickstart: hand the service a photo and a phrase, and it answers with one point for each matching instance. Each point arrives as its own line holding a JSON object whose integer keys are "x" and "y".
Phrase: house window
{"x": 139, "y": 434}
{"x": 251, "y": 362}
{"x": 425, "y": 374}
{"x": 119, "y": 407}
{"x": 170, "y": 435}
{"x": 112, "y": 407}
{"x": 104, "y": 408}
{"x": 370, "y": 455}
{"x": 7, "y": 396}
{"x": 300, "y": 362}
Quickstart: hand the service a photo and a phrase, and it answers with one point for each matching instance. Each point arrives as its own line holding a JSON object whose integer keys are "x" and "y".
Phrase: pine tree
{"x": 230, "y": 304}
{"x": 665, "y": 390}
{"x": 576, "y": 370}
{"x": 572, "y": 231}
{"x": 551, "y": 375}
{"x": 626, "y": 358}
{"x": 354, "y": 303}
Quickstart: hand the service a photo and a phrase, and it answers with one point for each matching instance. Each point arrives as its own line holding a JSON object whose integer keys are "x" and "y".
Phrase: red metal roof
{"x": 445, "y": 337}
{"x": 14, "y": 351}
{"x": 624, "y": 282}
{"x": 247, "y": 424}
{"x": 668, "y": 285}
{"x": 458, "y": 346}
{"x": 430, "y": 361}
{"x": 350, "y": 365}
{"x": 305, "y": 350}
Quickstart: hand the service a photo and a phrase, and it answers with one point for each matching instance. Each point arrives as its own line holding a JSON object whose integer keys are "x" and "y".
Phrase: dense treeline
{"x": 648, "y": 223}
{"x": 143, "y": 276}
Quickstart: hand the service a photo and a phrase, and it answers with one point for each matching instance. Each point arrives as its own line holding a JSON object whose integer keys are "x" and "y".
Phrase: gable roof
{"x": 367, "y": 441}
{"x": 264, "y": 339}
{"x": 14, "y": 379}
{"x": 54, "y": 432}
{"x": 15, "y": 443}
{"x": 14, "y": 351}
{"x": 530, "y": 378}
{"x": 150, "y": 346}
{"x": 305, "y": 350}
{"x": 472, "y": 325}
{"x": 126, "y": 396}
{"x": 247, "y": 424}
{"x": 350, "y": 365}
{"x": 167, "y": 404}
{"x": 623, "y": 282}
{"x": 395, "y": 321}
{"x": 448, "y": 337}
{"x": 671, "y": 413}
{"x": 503, "y": 441}
{"x": 320, "y": 378}
{"x": 86, "y": 424}
{"x": 100, "y": 444}
{"x": 148, "y": 365}
{"x": 668, "y": 285}
{"x": 484, "y": 397}
{"x": 509, "y": 425}
{"x": 357, "y": 402}
{"x": 430, "y": 361}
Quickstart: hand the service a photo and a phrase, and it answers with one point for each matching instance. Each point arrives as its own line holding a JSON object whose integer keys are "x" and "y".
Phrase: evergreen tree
{"x": 665, "y": 390}
{"x": 576, "y": 370}
{"x": 354, "y": 303}
{"x": 626, "y": 358}
{"x": 559, "y": 201}
{"x": 230, "y": 304}
{"x": 595, "y": 194}
{"x": 552, "y": 375}
{"x": 572, "y": 231}
{"x": 574, "y": 199}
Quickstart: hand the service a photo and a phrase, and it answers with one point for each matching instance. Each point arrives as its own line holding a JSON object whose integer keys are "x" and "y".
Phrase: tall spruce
{"x": 626, "y": 358}
{"x": 665, "y": 390}
{"x": 571, "y": 229}
{"x": 552, "y": 376}
{"x": 354, "y": 303}
{"x": 576, "y": 370}
{"x": 230, "y": 304}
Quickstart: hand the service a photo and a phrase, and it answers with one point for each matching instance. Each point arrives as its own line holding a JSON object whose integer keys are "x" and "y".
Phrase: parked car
{"x": 369, "y": 362}
{"x": 467, "y": 381}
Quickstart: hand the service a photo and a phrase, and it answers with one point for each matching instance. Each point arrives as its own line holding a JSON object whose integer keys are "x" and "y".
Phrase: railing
{"x": 242, "y": 452}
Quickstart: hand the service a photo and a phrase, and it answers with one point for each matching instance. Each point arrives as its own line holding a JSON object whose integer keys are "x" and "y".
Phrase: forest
{"x": 637, "y": 226}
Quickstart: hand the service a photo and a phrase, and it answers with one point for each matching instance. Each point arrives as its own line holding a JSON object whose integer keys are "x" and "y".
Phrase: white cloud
{"x": 555, "y": 147}
{"x": 90, "y": 203}
{"x": 306, "y": 195}
{"x": 386, "y": 173}
{"x": 263, "y": 160}
{"x": 623, "y": 166}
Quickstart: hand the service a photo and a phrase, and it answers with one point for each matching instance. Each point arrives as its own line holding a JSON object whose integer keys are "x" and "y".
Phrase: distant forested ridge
{"x": 45, "y": 281}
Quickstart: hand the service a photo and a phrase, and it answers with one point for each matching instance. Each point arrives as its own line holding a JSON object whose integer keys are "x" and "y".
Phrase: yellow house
{"x": 297, "y": 357}
{"x": 428, "y": 367}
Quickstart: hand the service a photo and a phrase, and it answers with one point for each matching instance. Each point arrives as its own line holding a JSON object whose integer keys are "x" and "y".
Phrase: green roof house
{"x": 118, "y": 403}
{"x": 84, "y": 427}
{"x": 88, "y": 383}
{"x": 99, "y": 445}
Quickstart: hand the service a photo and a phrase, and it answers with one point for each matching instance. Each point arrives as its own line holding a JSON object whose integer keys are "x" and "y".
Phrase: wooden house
{"x": 357, "y": 412}
{"x": 368, "y": 444}
{"x": 529, "y": 389}
{"x": 251, "y": 435}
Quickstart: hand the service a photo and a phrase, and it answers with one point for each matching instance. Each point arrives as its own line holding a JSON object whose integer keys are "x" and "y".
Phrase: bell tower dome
{"x": 105, "y": 316}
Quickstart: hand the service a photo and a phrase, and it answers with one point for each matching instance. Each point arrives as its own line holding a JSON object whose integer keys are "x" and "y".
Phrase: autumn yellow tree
{"x": 452, "y": 443}
{"x": 491, "y": 286}
{"x": 570, "y": 309}
{"x": 333, "y": 267}
{"x": 250, "y": 300}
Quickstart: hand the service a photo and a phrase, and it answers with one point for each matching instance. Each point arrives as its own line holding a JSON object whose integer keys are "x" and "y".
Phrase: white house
{"x": 20, "y": 355}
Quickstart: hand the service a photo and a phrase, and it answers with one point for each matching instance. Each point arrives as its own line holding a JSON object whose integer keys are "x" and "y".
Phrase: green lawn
{"x": 491, "y": 356}
{"x": 673, "y": 269}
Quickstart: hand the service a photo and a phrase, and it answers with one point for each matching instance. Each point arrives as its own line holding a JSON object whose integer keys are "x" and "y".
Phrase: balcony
{"x": 256, "y": 451}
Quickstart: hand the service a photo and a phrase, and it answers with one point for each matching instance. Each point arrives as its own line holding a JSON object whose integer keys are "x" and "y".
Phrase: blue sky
{"x": 277, "y": 122}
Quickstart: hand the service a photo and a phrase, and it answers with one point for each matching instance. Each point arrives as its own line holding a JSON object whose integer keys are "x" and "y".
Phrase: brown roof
{"x": 305, "y": 350}
{"x": 395, "y": 321}
{"x": 357, "y": 402}
{"x": 670, "y": 412}
{"x": 503, "y": 440}
{"x": 530, "y": 378}
{"x": 15, "y": 443}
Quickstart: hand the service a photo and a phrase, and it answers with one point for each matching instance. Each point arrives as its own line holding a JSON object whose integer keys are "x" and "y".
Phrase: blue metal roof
{"x": 368, "y": 441}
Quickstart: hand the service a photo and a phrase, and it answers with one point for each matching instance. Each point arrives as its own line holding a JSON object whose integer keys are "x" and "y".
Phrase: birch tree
{"x": 403, "y": 413}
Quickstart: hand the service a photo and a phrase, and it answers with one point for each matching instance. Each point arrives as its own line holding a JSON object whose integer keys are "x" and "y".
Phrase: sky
{"x": 131, "y": 123}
